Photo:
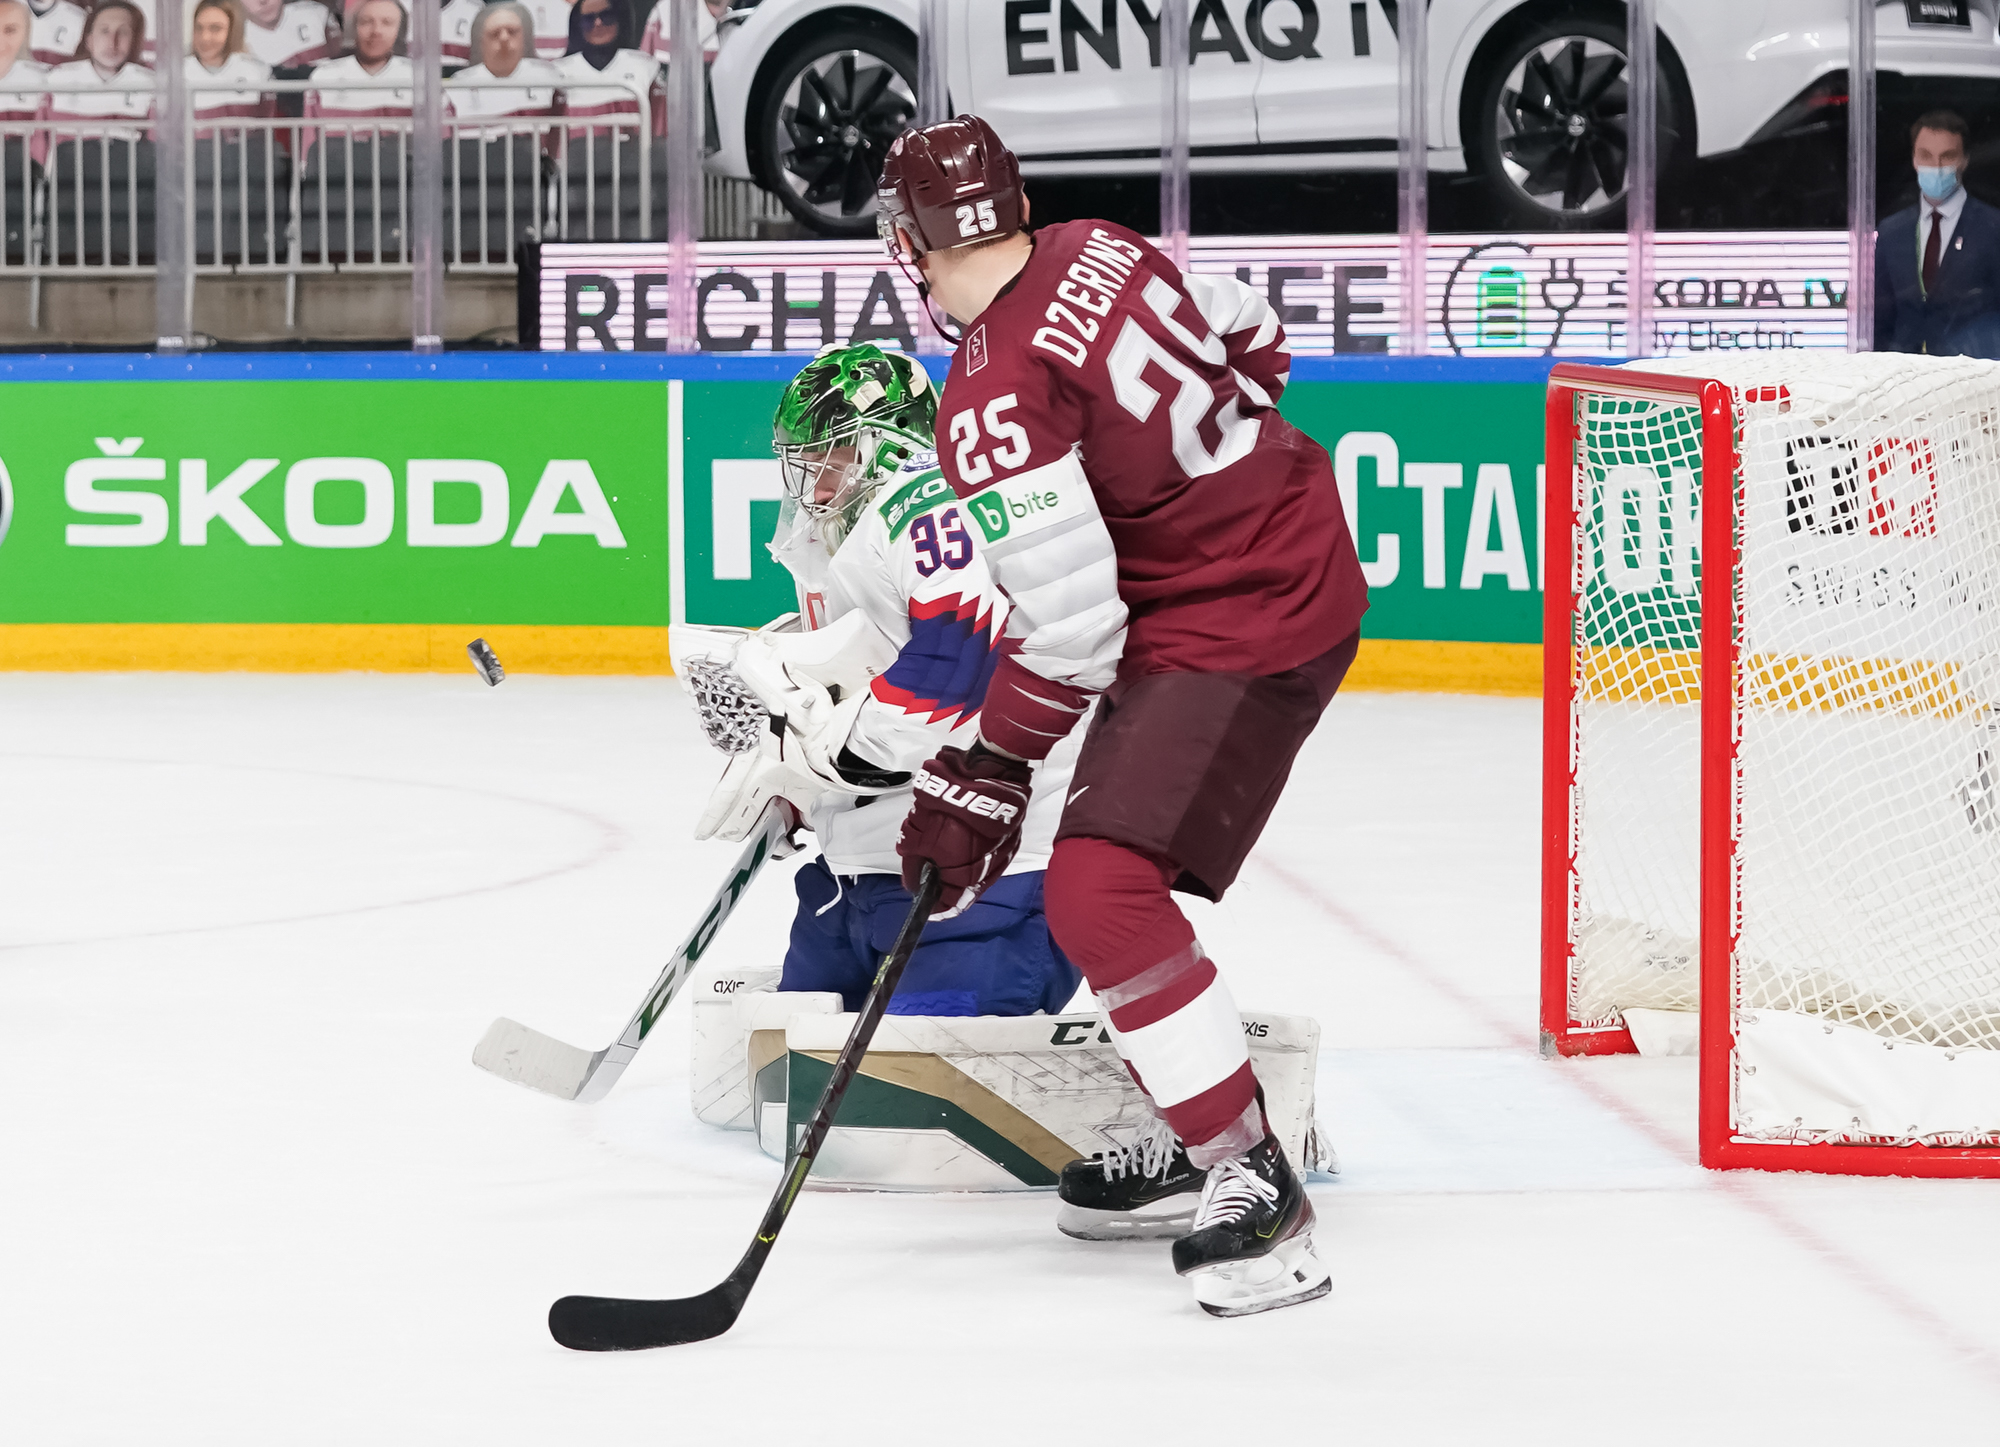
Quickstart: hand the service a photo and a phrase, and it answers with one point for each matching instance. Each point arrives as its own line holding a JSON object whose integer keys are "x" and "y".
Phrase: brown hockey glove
{"x": 966, "y": 820}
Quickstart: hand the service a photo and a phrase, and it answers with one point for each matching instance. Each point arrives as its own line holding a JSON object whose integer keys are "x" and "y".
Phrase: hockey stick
{"x": 541, "y": 1062}
{"x": 617, "y": 1324}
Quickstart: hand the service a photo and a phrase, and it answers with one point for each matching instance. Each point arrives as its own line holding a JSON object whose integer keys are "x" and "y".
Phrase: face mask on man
{"x": 1937, "y": 182}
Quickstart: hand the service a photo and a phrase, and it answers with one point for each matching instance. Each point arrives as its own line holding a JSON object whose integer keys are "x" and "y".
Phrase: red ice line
{"x": 1737, "y": 1184}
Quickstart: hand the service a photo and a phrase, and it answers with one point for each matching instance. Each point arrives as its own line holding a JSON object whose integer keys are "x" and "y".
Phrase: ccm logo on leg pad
{"x": 972, "y": 802}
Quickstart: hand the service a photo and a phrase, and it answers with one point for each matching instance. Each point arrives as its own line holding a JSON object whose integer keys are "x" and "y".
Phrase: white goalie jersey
{"x": 909, "y": 605}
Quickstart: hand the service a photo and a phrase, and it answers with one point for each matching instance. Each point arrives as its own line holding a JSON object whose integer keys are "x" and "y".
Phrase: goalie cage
{"x": 1771, "y": 721}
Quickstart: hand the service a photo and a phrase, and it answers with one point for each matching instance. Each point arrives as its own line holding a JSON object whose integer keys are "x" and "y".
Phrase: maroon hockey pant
{"x": 1172, "y": 1017}
{"x": 1178, "y": 775}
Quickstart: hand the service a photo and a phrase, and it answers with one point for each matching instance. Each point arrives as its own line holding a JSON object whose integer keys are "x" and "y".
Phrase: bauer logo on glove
{"x": 966, "y": 819}
{"x": 983, "y": 805}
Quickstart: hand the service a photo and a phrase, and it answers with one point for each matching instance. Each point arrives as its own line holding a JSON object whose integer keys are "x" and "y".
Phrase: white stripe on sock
{"x": 1194, "y": 1049}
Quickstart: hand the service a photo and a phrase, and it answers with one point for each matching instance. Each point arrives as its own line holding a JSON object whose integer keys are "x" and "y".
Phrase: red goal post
{"x": 1667, "y": 665}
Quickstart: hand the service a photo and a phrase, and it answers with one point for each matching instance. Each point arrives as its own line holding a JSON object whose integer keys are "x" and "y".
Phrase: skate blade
{"x": 1087, "y": 1225}
{"x": 1288, "y": 1275}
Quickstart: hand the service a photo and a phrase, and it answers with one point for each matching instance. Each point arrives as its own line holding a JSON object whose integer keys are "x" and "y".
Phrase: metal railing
{"x": 76, "y": 194}
{"x": 290, "y": 194}
{"x": 297, "y": 193}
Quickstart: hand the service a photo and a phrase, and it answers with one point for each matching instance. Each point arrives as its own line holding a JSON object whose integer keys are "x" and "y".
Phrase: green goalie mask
{"x": 845, "y": 424}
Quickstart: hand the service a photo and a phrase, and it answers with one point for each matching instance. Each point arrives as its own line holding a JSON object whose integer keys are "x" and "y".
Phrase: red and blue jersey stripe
{"x": 944, "y": 669}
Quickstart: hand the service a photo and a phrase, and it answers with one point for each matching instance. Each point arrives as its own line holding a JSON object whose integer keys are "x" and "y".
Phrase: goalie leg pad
{"x": 950, "y": 1103}
{"x": 730, "y": 1003}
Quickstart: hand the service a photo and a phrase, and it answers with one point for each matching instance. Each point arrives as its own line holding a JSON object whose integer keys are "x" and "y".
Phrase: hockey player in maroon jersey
{"x": 1170, "y": 543}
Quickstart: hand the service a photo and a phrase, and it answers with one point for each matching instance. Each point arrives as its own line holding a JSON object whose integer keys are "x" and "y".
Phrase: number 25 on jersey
{"x": 976, "y": 467}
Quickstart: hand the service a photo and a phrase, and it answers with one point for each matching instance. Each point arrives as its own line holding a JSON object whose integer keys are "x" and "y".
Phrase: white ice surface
{"x": 253, "y": 1191}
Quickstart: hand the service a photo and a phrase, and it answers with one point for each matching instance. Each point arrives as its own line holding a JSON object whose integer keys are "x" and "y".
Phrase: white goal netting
{"x": 1866, "y": 819}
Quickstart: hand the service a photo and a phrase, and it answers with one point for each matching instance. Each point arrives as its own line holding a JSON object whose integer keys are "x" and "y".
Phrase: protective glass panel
{"x": 1935, "y": 112}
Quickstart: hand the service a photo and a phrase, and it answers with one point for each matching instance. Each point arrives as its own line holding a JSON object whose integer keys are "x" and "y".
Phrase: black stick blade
{"x": 614, "y": 1324}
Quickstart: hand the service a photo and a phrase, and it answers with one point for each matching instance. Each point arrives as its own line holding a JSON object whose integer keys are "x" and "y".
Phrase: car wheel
{"x": 829, "y": 114}
{"x": 1547, "y": 122}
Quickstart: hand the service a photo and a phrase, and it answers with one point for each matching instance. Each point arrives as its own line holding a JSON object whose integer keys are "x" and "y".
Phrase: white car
{"x": 1528, "y": 94}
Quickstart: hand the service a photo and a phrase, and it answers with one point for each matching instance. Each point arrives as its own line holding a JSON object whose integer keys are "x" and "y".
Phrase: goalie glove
{"x": 810, "y": 688}
{"x": 817, "y": 683}
{"x": 780, "y": 767}
{"x": 746, "y": 789}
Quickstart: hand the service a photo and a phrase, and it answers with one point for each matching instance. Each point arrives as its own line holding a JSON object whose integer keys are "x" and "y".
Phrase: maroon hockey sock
{"x": 1110, "y": 908}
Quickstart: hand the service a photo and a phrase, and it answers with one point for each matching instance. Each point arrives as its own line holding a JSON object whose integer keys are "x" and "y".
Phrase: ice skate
{"x": 1251, "y": 1247}
{"x": 1144, "y": 1191}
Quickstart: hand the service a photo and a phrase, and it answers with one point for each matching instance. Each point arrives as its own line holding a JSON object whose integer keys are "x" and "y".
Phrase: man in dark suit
{"x": 1937, "y": 263}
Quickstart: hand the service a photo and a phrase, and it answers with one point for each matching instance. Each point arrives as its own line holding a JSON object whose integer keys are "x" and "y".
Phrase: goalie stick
{"x": 617, "y": 1324}
{"x": 527, "y": 1057}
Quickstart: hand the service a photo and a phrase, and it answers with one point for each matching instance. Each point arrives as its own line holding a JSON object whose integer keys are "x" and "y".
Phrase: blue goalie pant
{"x": 995, "y": 959}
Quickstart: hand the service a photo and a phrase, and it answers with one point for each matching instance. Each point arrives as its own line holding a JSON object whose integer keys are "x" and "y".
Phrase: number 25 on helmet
{"x": 951, "y": 184}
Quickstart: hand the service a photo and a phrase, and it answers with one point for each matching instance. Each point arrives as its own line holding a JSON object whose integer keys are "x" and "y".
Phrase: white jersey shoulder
{"x": 530, "y": 89}
{"x": 54, "y": 32}
{"x": 237, "y": 83}
{"x": 915, "y": 566}
{"x": 21, "y": 93}
{"x": 658, "y": 36}
{"x": 551, "y": 18}
{"x": 455, "y": 28}
{"x": 395, "y": 77}
{"x": 627, "y": 77}
{"x": 306, "y": 31}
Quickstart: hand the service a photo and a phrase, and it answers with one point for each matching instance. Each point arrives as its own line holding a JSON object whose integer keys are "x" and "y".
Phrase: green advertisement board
{"x": 614, "y": 500}
{"x": 1442, "y": 481}
{"x": 343, "y": 501}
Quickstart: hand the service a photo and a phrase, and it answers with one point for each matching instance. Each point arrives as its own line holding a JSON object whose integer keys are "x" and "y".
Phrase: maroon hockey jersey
{"x": 1232, "y": 549}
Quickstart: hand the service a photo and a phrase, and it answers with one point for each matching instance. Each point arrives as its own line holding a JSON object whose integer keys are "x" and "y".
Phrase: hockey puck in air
{"x": 485, "y": 661}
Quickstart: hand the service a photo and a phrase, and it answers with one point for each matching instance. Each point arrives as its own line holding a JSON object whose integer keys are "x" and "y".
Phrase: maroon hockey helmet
{"x": 951, "y": 184}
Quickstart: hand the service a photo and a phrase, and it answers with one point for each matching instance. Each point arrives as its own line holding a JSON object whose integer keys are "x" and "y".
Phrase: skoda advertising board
{"x": 336, "y": 502}
{"x": 302, "y": 524}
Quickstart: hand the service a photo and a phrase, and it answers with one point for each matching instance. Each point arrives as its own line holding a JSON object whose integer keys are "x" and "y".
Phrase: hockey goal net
{"x": 1772, "y": 747}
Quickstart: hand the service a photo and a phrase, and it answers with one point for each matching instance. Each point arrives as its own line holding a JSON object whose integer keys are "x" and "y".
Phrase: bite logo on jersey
{"x": 990, "y": 508}
{"x": 911, "y": 500}
{"x": 1023, "y": 505}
